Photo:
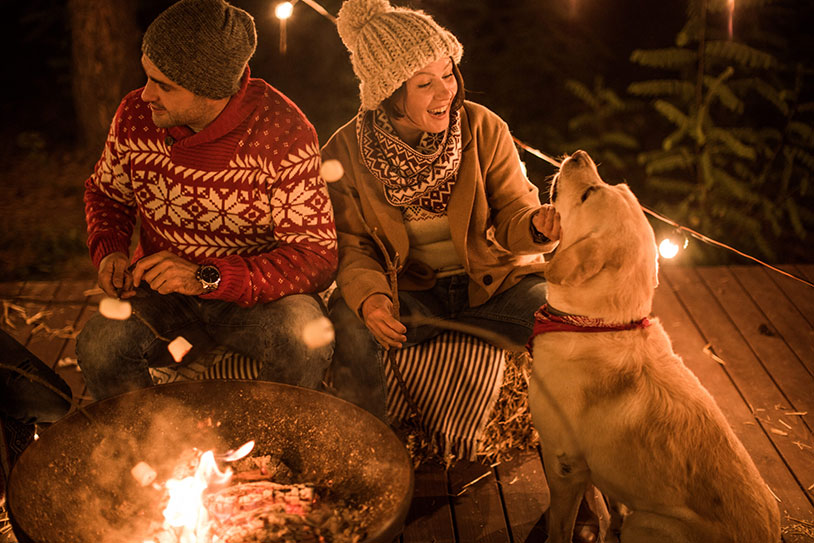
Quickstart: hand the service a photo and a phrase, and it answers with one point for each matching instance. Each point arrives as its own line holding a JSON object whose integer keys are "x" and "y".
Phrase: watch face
{"x": 210, "y": 274}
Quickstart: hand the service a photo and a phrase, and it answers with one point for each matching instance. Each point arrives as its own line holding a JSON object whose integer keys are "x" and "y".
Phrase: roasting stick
{"x": 333, "y": 171}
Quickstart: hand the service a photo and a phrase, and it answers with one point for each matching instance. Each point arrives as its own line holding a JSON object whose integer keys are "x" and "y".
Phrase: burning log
{"x": 235, "y": 502}
{"x": 257, "y": 503}
{"x": 243, "y": 512}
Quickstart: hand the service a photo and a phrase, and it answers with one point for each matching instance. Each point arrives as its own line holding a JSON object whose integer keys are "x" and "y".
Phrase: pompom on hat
{"x": 388, "y": 45}
{"x": 202, "y": 45}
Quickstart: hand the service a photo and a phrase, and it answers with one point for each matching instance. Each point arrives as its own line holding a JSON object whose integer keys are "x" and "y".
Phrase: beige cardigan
{"x": 489, "y": 212}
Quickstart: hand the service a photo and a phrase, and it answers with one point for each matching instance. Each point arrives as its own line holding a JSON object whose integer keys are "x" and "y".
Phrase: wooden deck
{"x": 745, "y": 331}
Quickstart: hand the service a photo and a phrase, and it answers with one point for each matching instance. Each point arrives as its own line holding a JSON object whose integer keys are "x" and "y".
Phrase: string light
{"x": 319, "y": 9}
{"x": 287, "y": 11}
{"x": 672, "y": 244}
{"x": 668, "y": 248}
{"x": 682, "y": 229}
{"x": 283, "y": 10}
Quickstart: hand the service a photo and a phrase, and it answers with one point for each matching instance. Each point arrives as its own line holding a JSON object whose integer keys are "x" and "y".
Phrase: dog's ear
{"x": 579, "y": 262}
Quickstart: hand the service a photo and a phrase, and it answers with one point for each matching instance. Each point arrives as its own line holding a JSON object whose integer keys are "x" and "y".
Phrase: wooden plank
{"x": 34, "y": 297}
{"x": 525, "y": 496}
{"x": 90, "y": 309}
{"x": 778, "y": 360}
{"x": 48, "y": 347}
{"x": 10, "y": 289}
{"x": 789, "y": 435}
{"x": 8, "y": 292}
{"x": 430, "y": 515}
{"x": 73, "y": 292}
{"x": 477, "y": 506}
{"x": 689, "y": 344}
{"x": 800, "y": 294}
{"x": 49, "y": 340}
{"x": 783, "y": 316}
{"x": 806, "y": 271}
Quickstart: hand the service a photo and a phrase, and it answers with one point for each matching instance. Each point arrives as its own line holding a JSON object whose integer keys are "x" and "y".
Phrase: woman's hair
{"x": 392, "y": 104}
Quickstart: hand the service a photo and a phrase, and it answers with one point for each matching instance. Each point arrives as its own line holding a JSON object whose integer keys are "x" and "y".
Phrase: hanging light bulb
{"x": 668, "y": 248}
{"x": 283, "y": 10}
{"x": 672, "y": 244}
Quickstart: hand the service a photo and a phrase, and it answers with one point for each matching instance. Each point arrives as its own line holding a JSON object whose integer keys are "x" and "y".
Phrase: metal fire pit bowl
{"x": 74, "y": 483}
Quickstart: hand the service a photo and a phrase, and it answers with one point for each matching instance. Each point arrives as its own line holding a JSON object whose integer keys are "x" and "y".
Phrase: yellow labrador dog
{"x": 614, "y": 405}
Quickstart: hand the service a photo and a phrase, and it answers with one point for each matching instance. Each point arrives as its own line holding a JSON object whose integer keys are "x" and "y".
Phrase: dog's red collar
{"x": 546, "y": 321}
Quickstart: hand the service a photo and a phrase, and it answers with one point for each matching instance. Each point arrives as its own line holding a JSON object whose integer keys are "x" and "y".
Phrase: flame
{"x": 185, "y": 511}
{"x": 243, "y": 450}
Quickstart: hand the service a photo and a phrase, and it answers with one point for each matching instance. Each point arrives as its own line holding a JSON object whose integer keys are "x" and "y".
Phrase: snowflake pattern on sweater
{"x": 243, "y": 194}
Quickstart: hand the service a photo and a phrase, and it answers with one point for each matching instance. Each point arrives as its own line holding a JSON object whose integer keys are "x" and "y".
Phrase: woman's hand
{"x": 546, "y": 220}
{"x": 377, "y": 312}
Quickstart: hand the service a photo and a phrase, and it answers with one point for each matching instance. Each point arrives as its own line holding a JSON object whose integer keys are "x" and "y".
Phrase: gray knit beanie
{"x": 202, "y": 45}
{"x": 388, "y": 45}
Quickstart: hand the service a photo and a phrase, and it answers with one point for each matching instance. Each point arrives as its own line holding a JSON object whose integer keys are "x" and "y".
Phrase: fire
{"x": 185, "y": 513}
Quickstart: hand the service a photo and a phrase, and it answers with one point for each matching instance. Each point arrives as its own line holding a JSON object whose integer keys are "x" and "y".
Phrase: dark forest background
{"x": 712, "y": 131}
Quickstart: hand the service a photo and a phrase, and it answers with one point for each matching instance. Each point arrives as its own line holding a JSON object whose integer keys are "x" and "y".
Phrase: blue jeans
{"x": 115, "y": 355}
{"x": 357, "y": 372}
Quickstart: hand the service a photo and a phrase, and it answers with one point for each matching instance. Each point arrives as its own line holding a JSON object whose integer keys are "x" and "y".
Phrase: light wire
{"x": 697, "y": 235}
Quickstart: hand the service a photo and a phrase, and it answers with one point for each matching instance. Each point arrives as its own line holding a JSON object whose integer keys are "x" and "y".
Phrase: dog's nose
{"x": 579, "y": 156}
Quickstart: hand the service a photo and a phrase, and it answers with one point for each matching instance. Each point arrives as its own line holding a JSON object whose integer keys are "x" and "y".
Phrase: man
{"x": 236, "y": 230}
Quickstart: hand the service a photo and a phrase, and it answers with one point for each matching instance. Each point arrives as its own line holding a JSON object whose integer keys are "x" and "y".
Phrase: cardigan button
{"x": 169, "y": 140}
{"x": 487, "y": 279}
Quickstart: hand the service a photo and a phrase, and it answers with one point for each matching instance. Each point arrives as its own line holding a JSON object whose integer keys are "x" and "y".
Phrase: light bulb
{"x": 668, "y": 248}
{"x": 283, "y": 10}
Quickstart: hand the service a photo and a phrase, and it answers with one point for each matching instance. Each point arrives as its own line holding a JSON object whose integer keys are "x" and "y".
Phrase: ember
{"x": 77, "y": 483}
{"x": 255, "y": 504}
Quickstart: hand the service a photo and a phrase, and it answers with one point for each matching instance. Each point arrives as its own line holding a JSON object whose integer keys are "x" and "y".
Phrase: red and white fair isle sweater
{"x": 243, "y": 194}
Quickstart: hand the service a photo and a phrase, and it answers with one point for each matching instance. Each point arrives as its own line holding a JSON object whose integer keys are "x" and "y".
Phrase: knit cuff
{"x": 536, "y": 235}
{"x": 101, "y": 247}
{"x": 232, "y": 279}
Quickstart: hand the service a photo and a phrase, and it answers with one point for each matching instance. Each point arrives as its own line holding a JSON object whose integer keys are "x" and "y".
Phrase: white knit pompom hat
{"x": 388, "y": 45}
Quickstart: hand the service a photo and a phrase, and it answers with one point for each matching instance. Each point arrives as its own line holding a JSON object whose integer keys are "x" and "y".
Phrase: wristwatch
{"x": 209, "y": 276}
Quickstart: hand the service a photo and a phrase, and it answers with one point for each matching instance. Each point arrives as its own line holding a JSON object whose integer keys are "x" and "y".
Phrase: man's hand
{"x": 377, "y": 311}
{"x": 547, "y": 221}
{"x": 167, "y": 273}
{"x": 114, "y": 277}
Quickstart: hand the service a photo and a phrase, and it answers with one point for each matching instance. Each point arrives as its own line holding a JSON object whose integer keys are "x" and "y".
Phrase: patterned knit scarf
{"x": 423, "y": 176}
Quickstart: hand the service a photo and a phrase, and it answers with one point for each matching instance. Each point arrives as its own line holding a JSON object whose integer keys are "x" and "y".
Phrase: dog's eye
{"x": 587, "y": 193}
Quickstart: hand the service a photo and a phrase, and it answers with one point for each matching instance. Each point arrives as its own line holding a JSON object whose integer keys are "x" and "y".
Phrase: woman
{"x": 440, "y": 182}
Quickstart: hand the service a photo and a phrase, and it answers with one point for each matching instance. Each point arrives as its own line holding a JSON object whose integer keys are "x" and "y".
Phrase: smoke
{"x": 80, "y": 485}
